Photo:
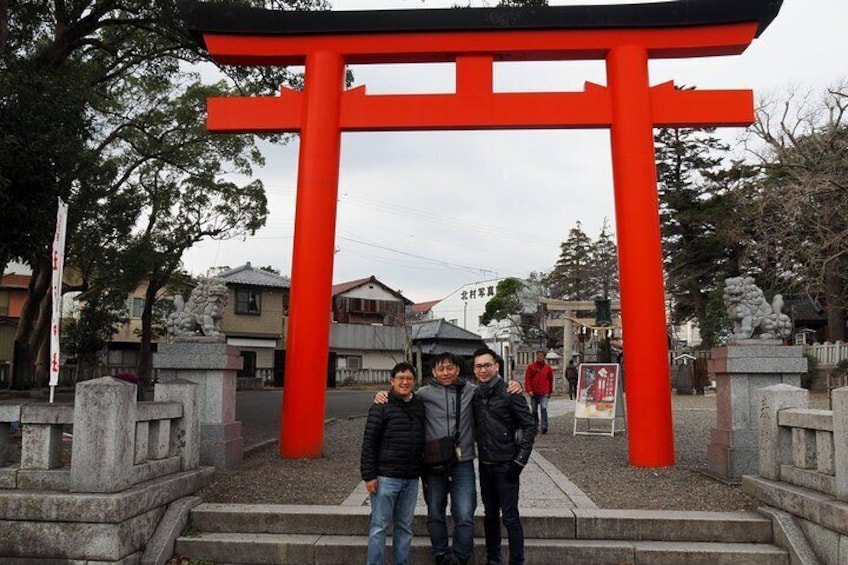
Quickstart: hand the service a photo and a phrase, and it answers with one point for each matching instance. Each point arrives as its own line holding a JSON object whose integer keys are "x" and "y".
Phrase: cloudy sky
{"x": 429, "y": 212}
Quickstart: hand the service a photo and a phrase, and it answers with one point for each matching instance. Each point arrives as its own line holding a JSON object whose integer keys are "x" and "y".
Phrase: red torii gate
{"x": 625, "y": 36}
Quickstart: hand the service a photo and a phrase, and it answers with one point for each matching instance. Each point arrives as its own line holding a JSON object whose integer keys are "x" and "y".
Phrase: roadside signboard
{"x": 597, "y": 394}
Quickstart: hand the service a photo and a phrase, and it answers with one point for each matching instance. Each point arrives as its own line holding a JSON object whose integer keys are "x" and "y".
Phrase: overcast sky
{"x": 429, "y": 212}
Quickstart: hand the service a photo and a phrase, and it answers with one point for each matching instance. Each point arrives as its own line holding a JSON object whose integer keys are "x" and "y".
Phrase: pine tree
{"x": 605, "y": 264}
{"x": 688, "y": 162}
{"x": 571, "y": 278}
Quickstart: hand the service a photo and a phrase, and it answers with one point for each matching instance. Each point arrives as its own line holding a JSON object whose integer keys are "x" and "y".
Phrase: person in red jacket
{"x": 539, "y": 382}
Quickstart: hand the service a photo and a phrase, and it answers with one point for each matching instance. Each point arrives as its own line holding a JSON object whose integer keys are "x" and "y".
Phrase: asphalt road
{"x": 259, "y": 411}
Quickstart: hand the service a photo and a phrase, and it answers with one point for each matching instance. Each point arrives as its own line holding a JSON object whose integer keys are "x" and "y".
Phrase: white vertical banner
{"x": 58, "y": 262}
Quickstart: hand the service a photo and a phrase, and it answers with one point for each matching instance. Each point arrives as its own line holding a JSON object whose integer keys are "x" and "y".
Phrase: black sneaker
{"x": 544, "y": 430}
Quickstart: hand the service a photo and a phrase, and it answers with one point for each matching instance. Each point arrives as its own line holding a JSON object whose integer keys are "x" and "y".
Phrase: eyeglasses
{"x": 483, "y": 366}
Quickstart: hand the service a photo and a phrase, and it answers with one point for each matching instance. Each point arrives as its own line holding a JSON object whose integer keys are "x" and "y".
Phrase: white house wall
{"x": 367, "y": 337}
{"x": 373, "y": 360}
{"x": 372, "y": 291}
{"x": 465, "y": 305}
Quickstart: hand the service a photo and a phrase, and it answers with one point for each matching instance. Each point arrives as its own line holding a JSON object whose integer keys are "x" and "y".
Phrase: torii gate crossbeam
{"x": 626, "y": 37}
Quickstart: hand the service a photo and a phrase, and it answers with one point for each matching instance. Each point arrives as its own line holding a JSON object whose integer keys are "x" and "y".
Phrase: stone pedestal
{"x": 741, "y": 371}
{"x": 213, "y": 365}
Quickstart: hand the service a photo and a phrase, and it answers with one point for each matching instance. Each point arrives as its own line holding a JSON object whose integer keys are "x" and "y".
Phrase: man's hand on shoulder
{"x": 381, "y": 397}
{"x": 514, "y": 387}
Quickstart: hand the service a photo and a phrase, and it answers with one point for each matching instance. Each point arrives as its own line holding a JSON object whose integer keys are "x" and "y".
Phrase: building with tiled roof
{"x": 423, "y": 310}
{"x": 432, "y": 337}
{"x": 368, "y": 335}
{"x": 368, "y": 301}
{"x": 248, "y": 276}
{"x": 442, "y": 330}
{"x": 255, "y": 319}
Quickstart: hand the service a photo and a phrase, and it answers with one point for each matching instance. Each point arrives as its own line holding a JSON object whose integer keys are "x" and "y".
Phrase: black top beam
{"x": 239, "y": 20}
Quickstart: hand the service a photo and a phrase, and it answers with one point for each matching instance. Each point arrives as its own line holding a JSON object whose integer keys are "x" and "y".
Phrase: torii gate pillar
{"x": 312, "y": 257}
{"x": 640, "y": 257}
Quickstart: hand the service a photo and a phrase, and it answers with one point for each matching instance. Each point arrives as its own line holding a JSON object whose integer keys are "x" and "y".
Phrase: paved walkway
{"x": 542, "y": 484}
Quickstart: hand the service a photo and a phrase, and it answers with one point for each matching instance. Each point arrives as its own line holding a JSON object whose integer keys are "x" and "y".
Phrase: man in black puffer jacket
{"x": 392, "y": 457}
{"x": 505, "y": 430}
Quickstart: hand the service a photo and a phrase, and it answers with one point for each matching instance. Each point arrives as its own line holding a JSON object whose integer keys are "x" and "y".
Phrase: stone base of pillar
{"x": 731, "y": 455}
{"x": 221, "y": 445}
{"x": 741, "y": 371}
{"x": 213, "y": 365}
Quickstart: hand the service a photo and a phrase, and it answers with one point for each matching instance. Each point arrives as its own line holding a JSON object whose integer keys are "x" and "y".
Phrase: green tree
{"x": 572, "y": 276}
{"x": 605, "y": 264}
{"x": 516, "y": 302}
{"x": 87, "y": 335}
{"x": 691, "y": 207}
{"x": 716, "y": 328}
{"x": 98, "y": 105}
{"x": 505, "y": 303}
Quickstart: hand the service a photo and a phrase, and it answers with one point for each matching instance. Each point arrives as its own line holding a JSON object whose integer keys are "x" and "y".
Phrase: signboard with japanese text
{"x": 597, "y": 385}
{"x": 482, "y": 292}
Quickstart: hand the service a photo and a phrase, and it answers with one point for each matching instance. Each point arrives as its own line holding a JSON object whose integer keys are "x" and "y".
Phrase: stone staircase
{"x": 279, "y": 534}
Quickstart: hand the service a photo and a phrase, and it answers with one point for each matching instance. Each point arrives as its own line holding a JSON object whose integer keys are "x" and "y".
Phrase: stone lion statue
{"x": 752, "y": 316}
{"x": 201, "y": 315}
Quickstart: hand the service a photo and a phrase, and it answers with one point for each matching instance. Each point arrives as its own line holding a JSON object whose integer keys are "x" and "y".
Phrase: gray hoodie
{"x": 440, "y": 414}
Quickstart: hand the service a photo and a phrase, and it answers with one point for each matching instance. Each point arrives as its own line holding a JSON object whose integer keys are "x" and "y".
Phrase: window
{"x": 363, "y": 305}
{"x": 248, "y": 368}
{"x": 135, "y": 306}
{"x": 122, "y": 358}
{"x": 248, "y": 301}
{"x": 350, "y": 362}
{"x": 4, "y": 303}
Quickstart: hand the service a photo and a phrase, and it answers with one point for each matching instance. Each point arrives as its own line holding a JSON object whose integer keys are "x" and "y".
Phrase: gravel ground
{"x": 597, "y": 465}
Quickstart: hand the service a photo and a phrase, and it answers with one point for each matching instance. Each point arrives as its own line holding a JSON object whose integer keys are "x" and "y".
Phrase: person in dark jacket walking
{"x": 505, "y": 431}
{"x": 392, "y": 458}
{"x": 571, "y": 377}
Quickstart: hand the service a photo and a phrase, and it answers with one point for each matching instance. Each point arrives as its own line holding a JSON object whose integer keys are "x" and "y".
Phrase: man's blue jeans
{"x": 500, "y": 494}
{"x": 393, "y": 503}
{"x": 537, "y": 402}
{"x": 459, "y": 482}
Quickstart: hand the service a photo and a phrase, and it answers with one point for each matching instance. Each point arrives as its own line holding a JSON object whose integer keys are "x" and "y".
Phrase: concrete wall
{"x": 129, "y": 463}
{"x": 803, "y": 469}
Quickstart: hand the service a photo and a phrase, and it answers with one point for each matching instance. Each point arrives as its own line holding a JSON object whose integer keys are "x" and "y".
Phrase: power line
{"x": 421, "y": 257}
{"x": 460, "y": 224}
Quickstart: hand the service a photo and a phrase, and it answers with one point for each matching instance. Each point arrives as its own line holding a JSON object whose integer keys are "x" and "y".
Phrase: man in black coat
{"x": 392, "y": 458}
{"x": 505, "y": 431}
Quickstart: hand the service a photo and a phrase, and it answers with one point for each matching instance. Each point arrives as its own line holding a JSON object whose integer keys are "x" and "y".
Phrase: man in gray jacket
{"x": 441, "y": 397}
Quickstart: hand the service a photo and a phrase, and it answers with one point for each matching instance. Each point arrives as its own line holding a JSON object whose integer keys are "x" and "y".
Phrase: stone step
{"x": 541, "y": 523}
{"x": 305, "y": 549}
